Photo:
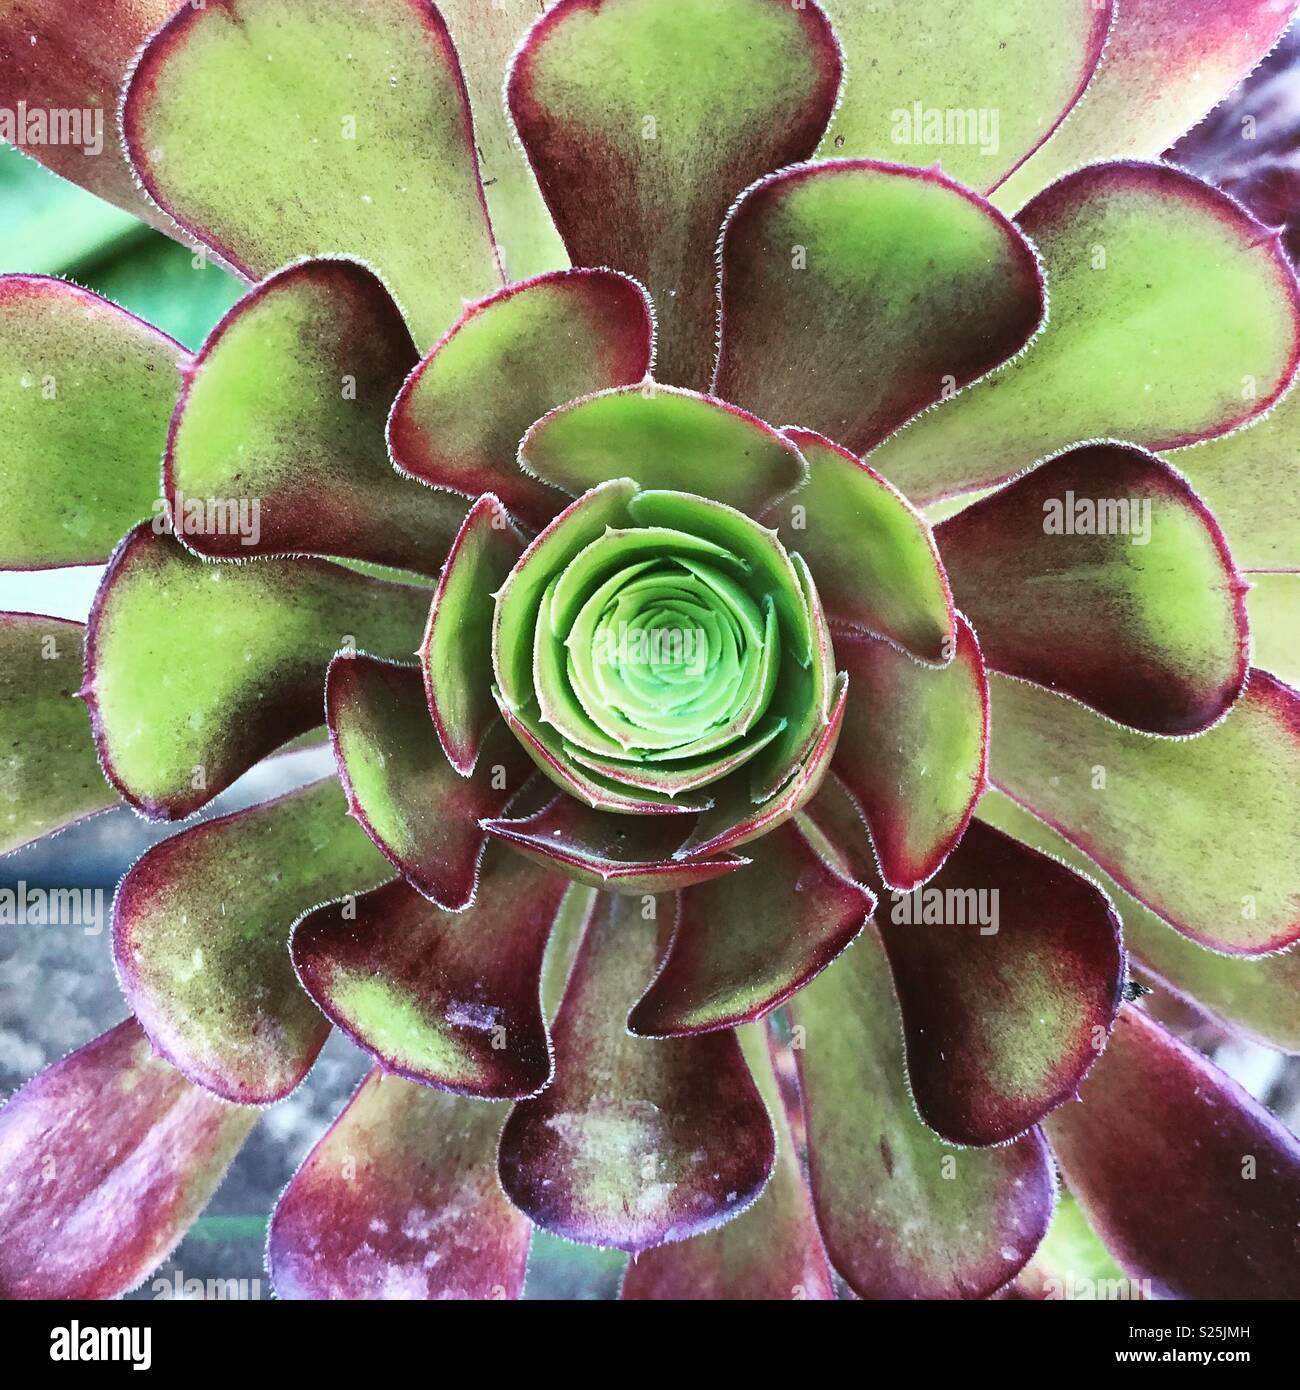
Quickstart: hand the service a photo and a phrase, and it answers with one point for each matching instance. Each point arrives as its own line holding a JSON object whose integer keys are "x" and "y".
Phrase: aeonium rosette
{"x": 673, "y": 729}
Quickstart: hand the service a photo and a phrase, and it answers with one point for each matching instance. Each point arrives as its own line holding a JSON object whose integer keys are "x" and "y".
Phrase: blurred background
{"x": 57, "y": 986}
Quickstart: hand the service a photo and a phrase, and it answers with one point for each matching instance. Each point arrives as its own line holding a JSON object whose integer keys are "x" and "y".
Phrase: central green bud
{"x": 656, "y": 642}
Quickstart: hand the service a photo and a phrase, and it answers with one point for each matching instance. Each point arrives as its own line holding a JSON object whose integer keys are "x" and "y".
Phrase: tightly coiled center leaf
{"x": 671, "y": 642}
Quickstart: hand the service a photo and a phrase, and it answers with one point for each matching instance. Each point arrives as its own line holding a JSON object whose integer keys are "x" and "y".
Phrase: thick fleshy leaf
{"x": 520, "y": 598}
{"x": 1136, "y": 607}
{"x": 903, "y": 1215}
{"x": 873, "y": 554}
{"x": 1174, "y": 318}
{"x": 1008, "y": 970}
{"x": 86, "y": 390}
{"x": 635, "y": 1142}
{"x": 450, "y": 999}
{"x": 70, "y": 65}
{"x": 351, "y": 134}
{"x": 400, "y": 1199}
{"x": 412, "y": 803}
{"x": 855, "y": 294}
{"x": 590, "y": 788}
{"x": 200, "y": 936}
{"x": 1249, "y": 481}
{"x": 621, "y": 853}
{"x": 1166, "y": 63}
{"x": 456, "y": 654}
{"x": 745, "y": 943}
{"x": 913, "y": 749}
{"x": 505, "y": 362}
{"x": 645, "y": 118}
{"x": 1190, "y": 1183}
{"x": 1260, "y": 998}
{"x": 485, "y": 36}
{"x": 736, "y": 818}
{"x": 664, "y": 439}
{"x": 996, "y": 84}
{"x": 49, "y": 774}
{"x": 284, "y": 409}
{"x": 196, "y": 670}
{"x": 772, "y": 1251}
{"x": 1202, "y": 830}
{"x": 108, "y": 1156}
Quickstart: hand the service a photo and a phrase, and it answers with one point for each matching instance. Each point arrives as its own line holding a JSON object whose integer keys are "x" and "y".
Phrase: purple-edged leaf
{"x": 645, "y": 118}
{"x": 1259, "y": 998}
{"x": 635, "y": 1142}
{"x": 1175, "y": 317}
{"x": 520, "y": 598}
{"x": 1102, "y": 575}
{"x": 1190, "y": 1183}
{"x": 108, "y": 1156}
{"x": 772, "y": 1251}
{"x": 903, "y": 1215}
{"x": 995, "y": 84}
{"x": 622, "y": 853}
{"x": 196, "y": 670}
{"x": 913, "y": 749}
{"x": 592, "y": 789}
{"x": 855, "y": 294}
{"x": 404, "y": 793}
{"x": 400, "y": 1200}
{"x": 284, "y": 409}
{"x": 351, "y": 134}
{"x": 505, "y": 362}
{"x": 736, "y": 818}
{"x": 450, "y": 999}
{"x": 1201, "y": 830}
{"x": 1008, "y": 969}
{"x": 1165, "y": 64}
{"x": 86, "y": 390}
{"x": 664, "y": 438}
{"x": 49, "y": 775}
{"x": 873, "y": 554}
{"x": 62, "y": 61}
{"x": 745, "y": 943}
{"x": 200, "y": 936}
{"x": 456, "y": 654}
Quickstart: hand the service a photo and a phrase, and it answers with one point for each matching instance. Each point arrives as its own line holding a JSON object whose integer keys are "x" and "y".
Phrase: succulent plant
{"x": 781, "y": 674}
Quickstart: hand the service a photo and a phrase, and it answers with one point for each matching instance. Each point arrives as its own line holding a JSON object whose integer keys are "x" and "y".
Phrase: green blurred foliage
{"x": 50, "y": 226}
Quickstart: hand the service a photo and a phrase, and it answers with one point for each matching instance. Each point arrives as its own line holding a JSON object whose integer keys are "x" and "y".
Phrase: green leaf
{"x": 873, "y": 554}
{"x": 1201, "y": 830}
{"x": 273, "y": 129}
{"x": 485, "y": 37}
{"x": 49, "y": 774}
{"x": 903, "y": 1214}
{"x": 200, "y": 934}
{"x": 195, "y": 670}
{"x": 286, "y": 404}
{"x": 1254, "y": 997}
{"x": 645, "y": 118}
{"x": 1102, "y": 575}
{"x": 509, "y": 359}
{"x": 664, "y": 439}
{"x": 856, "y": 294}
{"x": 86, "y": 391}
{"x": 1166, "y": 64}
{"x": 1173, "y": 318}
{"x": 1012, "y": 72}
{"x": 1250, "y": 481}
